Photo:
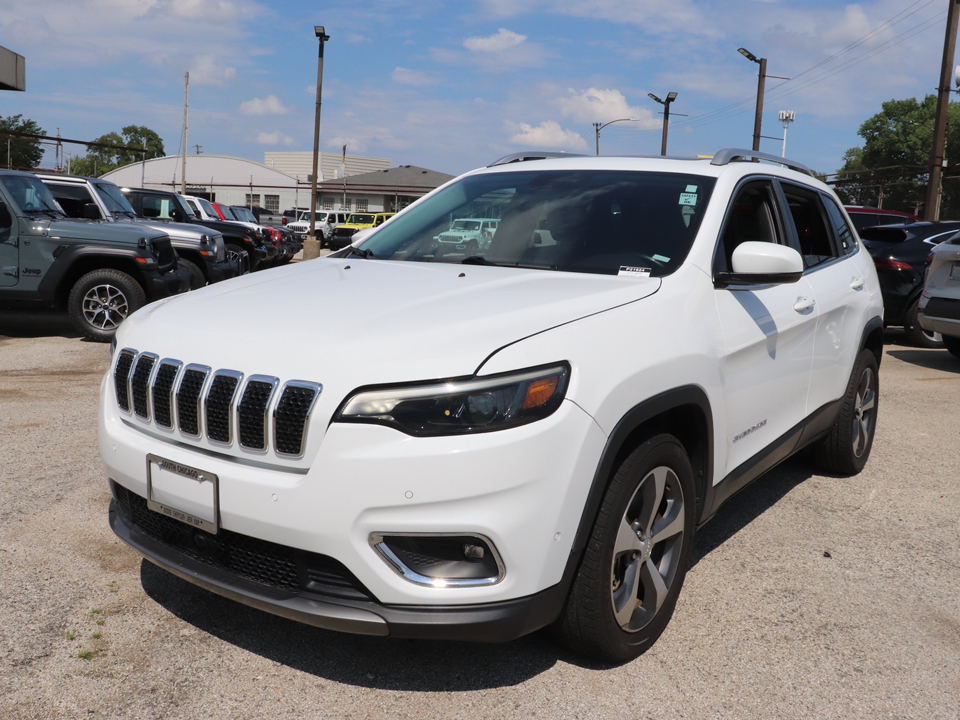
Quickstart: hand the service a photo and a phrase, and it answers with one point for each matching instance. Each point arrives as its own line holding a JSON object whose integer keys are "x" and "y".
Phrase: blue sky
{"x": 454, "y": 85}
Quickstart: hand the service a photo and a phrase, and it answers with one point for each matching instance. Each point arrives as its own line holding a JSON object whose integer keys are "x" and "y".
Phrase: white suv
{"x": 484, "y": 446}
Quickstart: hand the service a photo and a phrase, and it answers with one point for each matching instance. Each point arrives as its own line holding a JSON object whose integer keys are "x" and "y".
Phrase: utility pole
{"x": 786, "y": 117}
{"x": 931, "y": 208}
{"x": 186, "y": 97}
{"x": 311, "y": 246}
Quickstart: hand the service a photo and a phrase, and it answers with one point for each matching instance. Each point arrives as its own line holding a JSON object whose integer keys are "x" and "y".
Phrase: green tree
{"x": 25, "y": 153}
{"x": 100, "y": 160}
{"x": 892, "y": 168}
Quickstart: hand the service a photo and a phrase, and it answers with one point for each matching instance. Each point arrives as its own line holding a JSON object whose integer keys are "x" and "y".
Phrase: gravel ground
{"x": 810, "y": 596}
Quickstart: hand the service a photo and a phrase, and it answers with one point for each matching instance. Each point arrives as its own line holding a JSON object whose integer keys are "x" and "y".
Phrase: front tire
{"x": 197, "y": 280}
{"x": 636, "y": 559}
{"x": 102, "y": 299}
{"x": 846, "y": 449}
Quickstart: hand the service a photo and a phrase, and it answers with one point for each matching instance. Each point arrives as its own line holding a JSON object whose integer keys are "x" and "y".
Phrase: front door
{"x": 9, "y": 249}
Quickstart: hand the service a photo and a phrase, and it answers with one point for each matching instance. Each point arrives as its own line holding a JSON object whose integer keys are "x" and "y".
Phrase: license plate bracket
{"x": 184, "y": 493}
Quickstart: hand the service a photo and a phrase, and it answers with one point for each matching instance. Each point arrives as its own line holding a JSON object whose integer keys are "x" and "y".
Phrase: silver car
{"x": 940, "y": 302}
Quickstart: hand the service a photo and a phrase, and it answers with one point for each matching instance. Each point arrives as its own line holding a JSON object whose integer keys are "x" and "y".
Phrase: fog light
{"x": 441, "y": 559}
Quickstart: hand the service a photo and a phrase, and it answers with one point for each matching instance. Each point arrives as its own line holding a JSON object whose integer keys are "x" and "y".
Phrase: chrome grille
{"x": 140, "y": 383}
{"x": 121, "y": 375}
{"x": 218, "y": 406}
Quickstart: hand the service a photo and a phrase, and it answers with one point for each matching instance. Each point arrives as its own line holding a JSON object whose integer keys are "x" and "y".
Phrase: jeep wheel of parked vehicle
{"x": 100, "y": 300}
{"x": 197, "y": 280}
{"x": 636, "y": 558}
{"x": 846, "y": 449}
{"x": 916, "y": 334}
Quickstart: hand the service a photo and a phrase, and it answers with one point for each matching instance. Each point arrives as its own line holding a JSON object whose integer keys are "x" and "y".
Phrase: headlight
{"x": 462, "y": 406}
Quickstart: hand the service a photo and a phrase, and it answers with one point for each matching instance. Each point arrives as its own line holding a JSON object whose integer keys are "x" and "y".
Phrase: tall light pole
{"x": 311, "y": 246}
{"x": 597, "y": 127}
{"x": 666, "y": 117}
{"x": 762, "y": 79}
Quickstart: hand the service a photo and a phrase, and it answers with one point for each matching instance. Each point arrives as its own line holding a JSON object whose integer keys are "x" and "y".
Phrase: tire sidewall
{"x": 131, "y": 290}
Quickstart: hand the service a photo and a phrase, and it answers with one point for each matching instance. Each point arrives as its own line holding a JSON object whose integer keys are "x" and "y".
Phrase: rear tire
{"x": 197, "y": 280}
{"x": 636, "y": 558}
{"x": 100, "y": 300}
{"x": 916, "y": 334}
{"x": 952, "y": 344}
{"x": 846, "y": 449}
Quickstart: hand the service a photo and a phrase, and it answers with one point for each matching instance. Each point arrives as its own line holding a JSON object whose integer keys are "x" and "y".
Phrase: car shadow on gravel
{"x": 36, "y": 323}
{"x": 930, "y": 359}
{"x": 368, "y": 662}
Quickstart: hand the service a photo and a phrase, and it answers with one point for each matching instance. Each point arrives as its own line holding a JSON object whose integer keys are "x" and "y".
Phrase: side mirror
{"x": 762, "y": 263}
{"x": 5, "y": 220}
{"x": 177, "y": 215}
{"x": 91, "y": 212}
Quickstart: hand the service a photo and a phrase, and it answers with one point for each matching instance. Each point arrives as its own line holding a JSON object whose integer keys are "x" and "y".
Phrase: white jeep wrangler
{"x": 485, "y": 446}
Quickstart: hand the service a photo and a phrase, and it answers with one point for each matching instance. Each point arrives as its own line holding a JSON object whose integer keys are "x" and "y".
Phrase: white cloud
{"x": 405, "y": 76}
{"x": 596, "y": 105}
{"x": 354, "y": 145}
{"x": 209, "y": 70}
{"x": 548, "y": 134}
{"x": 274, "y": 138}
{"x": 357, "y": 38}
{"x": 503, "y": 40}
{"x": 269, "y": 105}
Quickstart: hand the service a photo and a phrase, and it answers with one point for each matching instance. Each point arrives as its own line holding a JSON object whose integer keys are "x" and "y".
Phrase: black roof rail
{"x": 729, "y": 155}
{"x": 530, "y": 155}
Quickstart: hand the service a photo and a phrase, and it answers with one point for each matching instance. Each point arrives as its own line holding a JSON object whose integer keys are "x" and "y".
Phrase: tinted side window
{"x": 841, "y": 231}
{"x": 809, "y": 220}
{"x": 72, "y": 198}
{"x": 751, "y": 218}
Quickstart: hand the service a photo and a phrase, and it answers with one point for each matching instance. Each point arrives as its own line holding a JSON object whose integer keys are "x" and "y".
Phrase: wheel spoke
{"x": 625, "y": 598}
{"x": 651, "y": 493}
{"x": 654, "y": 587}
{"x": 867, "y": 401}
{"x": 627, "y": 540}
{"x": 670, "y": 525}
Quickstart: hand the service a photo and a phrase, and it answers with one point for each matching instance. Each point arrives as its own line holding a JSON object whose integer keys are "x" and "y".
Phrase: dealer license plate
{"x": 955, "y": 271}
{"x": 183, "y": 493}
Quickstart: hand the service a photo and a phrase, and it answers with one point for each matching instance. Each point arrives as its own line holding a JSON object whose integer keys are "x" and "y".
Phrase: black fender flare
{"x": 65, "y": 260}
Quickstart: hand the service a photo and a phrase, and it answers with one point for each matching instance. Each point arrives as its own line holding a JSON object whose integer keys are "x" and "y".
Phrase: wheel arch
{"x": 75, "y": 262}
{"x": 683, "y": 412}
{"x": 872, "y": 338}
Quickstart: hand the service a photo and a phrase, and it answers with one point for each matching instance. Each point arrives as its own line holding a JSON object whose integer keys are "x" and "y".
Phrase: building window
{"x": 272, "y": 203}
{"x": 346, "y": 204}
{"x": 252, "y": 200}
{"x": 361, "y": 205}
{"x": 327, "y": 203}
{"x": 399, "y": 202}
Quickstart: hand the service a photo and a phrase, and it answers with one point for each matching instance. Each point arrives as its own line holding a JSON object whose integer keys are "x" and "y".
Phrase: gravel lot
{"x": 810, "y": 597}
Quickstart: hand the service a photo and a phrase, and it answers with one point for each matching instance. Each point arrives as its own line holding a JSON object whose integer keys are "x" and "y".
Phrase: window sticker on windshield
{"x": 627, "y": 271}
{"x": 691, "y": 188}
{"x": 688, "y": 198}
{"x": 660, "y": 258}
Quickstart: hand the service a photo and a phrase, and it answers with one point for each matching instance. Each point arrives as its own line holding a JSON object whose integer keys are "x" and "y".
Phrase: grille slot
{"x": 252, "y": 411}
{"x": 140, "y": 384}
{"x": 291, "y": 416}
{"x": 163, "y": 392}
{"x": 188, "y": 399}
{"x": 219, "y": 404}
{"x": 121, "y": 376}
{"x": 260, "y": 561}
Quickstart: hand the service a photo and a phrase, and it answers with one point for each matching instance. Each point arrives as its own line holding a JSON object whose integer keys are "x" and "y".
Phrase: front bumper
{"x": 161, "y": 285}
{"x": 941, "y": 315}
{"x": 218, "y": 271}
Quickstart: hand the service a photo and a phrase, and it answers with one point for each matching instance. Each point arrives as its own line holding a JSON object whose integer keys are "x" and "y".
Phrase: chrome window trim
{"x": 231, "y": 406}
{"x": 267, "y": 411}
{"x": 377, "y": 542}
{"x": 306, "y": 422}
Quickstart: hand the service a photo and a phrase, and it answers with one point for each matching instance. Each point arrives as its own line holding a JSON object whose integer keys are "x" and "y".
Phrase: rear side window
{"x": 72, "y": 198}
{"x": 841, "y": 231}
{"x": 809, "y": 219}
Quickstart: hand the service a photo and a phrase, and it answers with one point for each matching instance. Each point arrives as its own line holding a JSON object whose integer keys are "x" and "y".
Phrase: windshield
{"x": 596, "y": 221}
{"x": 208, "y": 208}
{"x": 465, "y": 225}
{"x": 115, "y": 200}
{"x": 358, "y": 219}
{"x": 30, "y": 194}
{"x": 242, "y": 213}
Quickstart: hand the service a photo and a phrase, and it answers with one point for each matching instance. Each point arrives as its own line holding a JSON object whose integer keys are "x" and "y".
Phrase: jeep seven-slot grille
{"x": 260, "y": 561}
{"x": 164, "y": 253}
{"x": 216, "y": 405}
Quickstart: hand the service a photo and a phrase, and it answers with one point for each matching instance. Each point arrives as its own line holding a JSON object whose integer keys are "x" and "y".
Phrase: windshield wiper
{"x": 477, "y": 260}
{"x": 360, "y": 252}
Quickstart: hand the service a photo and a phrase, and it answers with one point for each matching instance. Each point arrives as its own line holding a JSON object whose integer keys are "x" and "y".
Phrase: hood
{"x": 179, "y": 231}
{"x": 120, "y": 233}
{"x": 351, "y": 322}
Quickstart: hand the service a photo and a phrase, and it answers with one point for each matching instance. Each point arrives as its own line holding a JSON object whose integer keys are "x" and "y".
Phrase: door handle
{"x": 804, "y": 303}
{"x": 856, "y": 283}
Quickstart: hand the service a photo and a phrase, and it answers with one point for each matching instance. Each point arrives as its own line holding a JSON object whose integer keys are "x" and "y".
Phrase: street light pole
{"x": 666, "y": 117}
{"x": 597, "y": 127}
{"x": 931, "y": 208}
{"x": 760, "y": 83}
{"x": 311, "y": 246}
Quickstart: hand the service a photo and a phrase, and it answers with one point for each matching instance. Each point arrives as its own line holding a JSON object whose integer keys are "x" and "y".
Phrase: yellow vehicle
{"x": 356, "y": 222}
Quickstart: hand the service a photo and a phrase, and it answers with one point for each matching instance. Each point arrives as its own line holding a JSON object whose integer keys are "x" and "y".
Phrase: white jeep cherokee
{"x": 479, "y": 449}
